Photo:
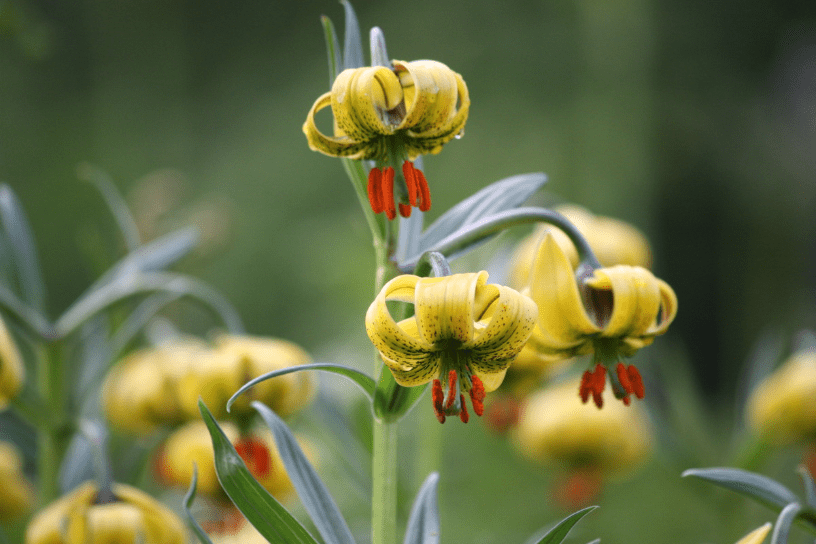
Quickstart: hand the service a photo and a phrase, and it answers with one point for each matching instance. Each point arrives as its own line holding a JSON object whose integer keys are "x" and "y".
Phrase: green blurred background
{"x": 694, "y": 120}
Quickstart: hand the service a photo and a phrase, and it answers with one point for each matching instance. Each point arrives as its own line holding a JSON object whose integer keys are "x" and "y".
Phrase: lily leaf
{"x": 352, "y": 41}
{"x": 312, "y": 491}
{"x": 23, "y": 248}
{"x": 189, "y": 497}
{"x": 423, "y": 523}
{"x": 784, "y": 523}
{"x": 113, "y": 198}
{"x": 365, "y": 381}
{"x": 810, "y": 487}
{"x": 332, "y": 49}
{"x": 268, "y": 516}
{"x": 557, "y": 534}
{"x": 761, "y": 488}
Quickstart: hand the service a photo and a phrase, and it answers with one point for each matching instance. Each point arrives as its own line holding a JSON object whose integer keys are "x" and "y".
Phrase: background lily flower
{"x": 464, "y": 331}
{"x": 12, "y": 371}
{"x": 133, "y": 517}
{"x": 781, "y": 409}
{"x": 17, "y": 496}
{"x": 757, "y": 536}
{"x": 613, "y": 313}
{"x": 389, "y": 115}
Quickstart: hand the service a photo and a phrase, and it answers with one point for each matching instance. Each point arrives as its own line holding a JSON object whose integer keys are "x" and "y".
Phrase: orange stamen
{"x": 437, "y": 397}
{"x": 463, "y": 415}
{"x": 424, "y": 192}
{"x": 255, "y": 455}
{"x": 409, "y": 172}
{"x": 593, "y": 383}
{"x": 375, "y": 190}
{"x": 623, "y": 377}
{"x": 405, "y": 210}
{"x": 451, "y": 389}
{"x": 388, "y": 193}
{"x": 477, "y": 395}
{"x": 637, "y": 382}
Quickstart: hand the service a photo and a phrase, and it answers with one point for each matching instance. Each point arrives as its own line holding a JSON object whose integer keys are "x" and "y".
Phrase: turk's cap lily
{"x": 133, "y": 516}
{"x": 464, "y": 332}
{"x": 781, "y": 408}
{"x": 612, "y": 313}
{"x": 12, "y": 371}
{"x": 392, "y": 115}
{"x": 17, "y": 496}
{"x": 555, "y": 427}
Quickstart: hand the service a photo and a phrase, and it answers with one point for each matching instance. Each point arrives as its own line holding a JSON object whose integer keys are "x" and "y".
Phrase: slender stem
{"x": 384, "y": 493}
{"x": 53, "y": 434}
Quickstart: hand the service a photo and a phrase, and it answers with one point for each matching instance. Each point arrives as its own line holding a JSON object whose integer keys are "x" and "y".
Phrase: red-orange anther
{"x": 593, "y": 383}
{"x": 451, "y": 389}
{"x": 463, "y": 415}
{"x": 637, "y": 382}
{"x": 409, "y": 172}
{"x": 375, "y": 196}
{"x": 255, "y": 455}
{"x": 388, "y": 193}
{"x": 623, "y": 378}
{"x": 404, "y": 209}
{"x": 424, "y": 192}
{"x": 477, "y": 394}
{"x": 437, "y": 397}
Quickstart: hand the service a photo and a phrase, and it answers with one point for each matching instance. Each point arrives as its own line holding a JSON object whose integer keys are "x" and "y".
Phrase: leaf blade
{"x": 559, "y": 532}
{"x": 423, "y": 523}
{"x": 760, "y": 488}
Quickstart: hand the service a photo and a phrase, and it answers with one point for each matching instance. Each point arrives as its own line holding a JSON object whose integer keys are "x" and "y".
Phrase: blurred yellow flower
{"x": 612, "y": 314}
{"x": 782, "y": 408}
{"x": 392, "y": 114}
{"x": 464, "y": 331}
{"x": 757, "y": 536}
{"x": 12, "y": 371}
{"x": 140, "y": 392}
{"x": 77, "y": 518}
{"x": 17, "y": 496}
{"x": 556, "y": 427}
{"x": 191, "y": 444}
{"x": 237, "y": 359}
{"x": 611, "y": 240}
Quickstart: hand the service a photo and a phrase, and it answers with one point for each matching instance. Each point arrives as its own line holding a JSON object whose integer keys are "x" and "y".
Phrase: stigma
{"x": 452, "y": 401}
{"x": 381, "y": 191}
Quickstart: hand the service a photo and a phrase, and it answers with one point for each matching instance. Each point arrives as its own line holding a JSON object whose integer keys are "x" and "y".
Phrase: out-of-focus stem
{"x": 53, "y": 433}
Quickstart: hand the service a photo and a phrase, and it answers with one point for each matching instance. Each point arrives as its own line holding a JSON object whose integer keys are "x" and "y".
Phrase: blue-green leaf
{"x": 260, "y": 508}
{"x": 23, "y": 248}
{"x": 352, "y": 41}
{"x": 784, "y": 523}
{"x": 379, "y": 53}
{"x": 501, "y": 195}
{"x": 116, "y": 204}
{"x": 559, "y": 532}
{"x": 365, "y": 381}
{"x": 312, "y": 492}
{"x": 189, "y": 497}
{"x": 423, "y": 523}
{"x": 810, "y": 487}
{"x": 761, "y": 488}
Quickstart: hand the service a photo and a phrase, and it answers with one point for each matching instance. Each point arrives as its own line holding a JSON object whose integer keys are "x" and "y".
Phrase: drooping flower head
{"x": 611, "y": 314}
{"x": 464, "y": 332}
{"x": 392, "y": 115}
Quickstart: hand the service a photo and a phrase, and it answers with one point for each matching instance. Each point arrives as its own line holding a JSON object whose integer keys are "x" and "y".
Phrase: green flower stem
{"x": 384, "y": 476}
{"x": 53, "y": 435}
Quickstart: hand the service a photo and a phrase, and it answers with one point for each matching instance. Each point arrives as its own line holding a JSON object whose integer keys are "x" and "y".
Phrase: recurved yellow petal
{"x": 757, "y": 536}
{"x": 563, "y": 323}
{"x": 339, "y": 145}
{"x": 444, "y": 307}
{"x": 12, "y": 371}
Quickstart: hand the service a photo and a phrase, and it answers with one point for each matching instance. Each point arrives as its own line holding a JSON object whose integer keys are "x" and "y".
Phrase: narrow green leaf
{"x": 352, "y": 43}
{"x": 332, "y": 49}
{"x": 23, "y": 248}
{"x": 312, "y": 491}
{"x": 391, "y": 400}
{"x": 113, "y": 198}
{"x": 756, "y": 486}
{"x": 557, "y": 534}
{"x": 498, "y": 196}
{"x": 365, "y": 381}
{"x": 260, "y": 508}
{"x": 423, "y": 523}
{"x": 27, "y": 316}
{"x": 784, "y": 523}
{"x": 189, "y": 497}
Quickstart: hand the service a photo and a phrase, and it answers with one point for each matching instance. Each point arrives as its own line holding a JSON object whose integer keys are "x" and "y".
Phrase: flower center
{"x": 451, "y": 401}
{"x": 625, "y": 380}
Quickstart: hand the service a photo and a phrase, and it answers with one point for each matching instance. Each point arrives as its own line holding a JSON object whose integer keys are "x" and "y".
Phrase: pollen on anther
{"x": 437, "y": 398}
{"x": 463, "y": 415}
{"x": 637, "y": 382}
{"x": 388, "y": 193}
{"x": 409, "y": 172}
{"x": 375, "y": 196}
{"x": 451, "y": 389}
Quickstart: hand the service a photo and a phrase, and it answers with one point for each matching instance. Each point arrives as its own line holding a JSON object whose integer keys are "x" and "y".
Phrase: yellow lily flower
{"x": 18, "y": 493}
{"x": 12, "y": 371}
{"x": 392, "y": 114}
{"x": 781, "y": 409}
{"x": 463, "y": 330}
{"x": 757, "y": 536}
{"x": 612, "y": 313}
{"x": 77, "y": 518}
